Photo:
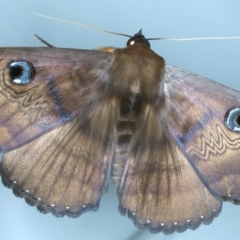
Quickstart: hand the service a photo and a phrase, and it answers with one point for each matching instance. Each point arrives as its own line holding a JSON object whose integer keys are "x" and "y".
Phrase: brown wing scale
{"x": 159, "y": 188}
{"x": 67, "y": 169}
{"x": 66, "y": 83}
{"x": 196, "y": 114}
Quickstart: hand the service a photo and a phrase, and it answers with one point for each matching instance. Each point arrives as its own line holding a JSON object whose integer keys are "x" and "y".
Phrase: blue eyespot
{"x": 21, "y": 72}
{"x": 232, "y": 119}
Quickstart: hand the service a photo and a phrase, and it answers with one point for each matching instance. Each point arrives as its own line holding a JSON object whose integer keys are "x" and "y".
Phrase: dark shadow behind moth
{"x": 70, "y": 118}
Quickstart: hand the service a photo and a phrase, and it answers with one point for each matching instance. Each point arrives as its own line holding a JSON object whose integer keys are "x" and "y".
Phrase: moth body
{"x": 69, "y": 118}
{"x": 138, "y": 74}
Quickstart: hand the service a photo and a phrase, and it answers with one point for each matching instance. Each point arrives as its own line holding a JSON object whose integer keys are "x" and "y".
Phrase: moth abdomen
{"x": 129, "y": 111}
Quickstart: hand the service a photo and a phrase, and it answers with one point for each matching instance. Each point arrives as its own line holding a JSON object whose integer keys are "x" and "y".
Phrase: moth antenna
{"x": 43, "y": 41}
{"x": 81, "y": 24}
{"x": 194, "y": 39}
{"x": 125, "y": 35}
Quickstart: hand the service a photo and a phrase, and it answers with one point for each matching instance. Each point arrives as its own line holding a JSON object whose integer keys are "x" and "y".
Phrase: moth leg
{"x": 44, "y": 42}
{"x": 105, "y": 49}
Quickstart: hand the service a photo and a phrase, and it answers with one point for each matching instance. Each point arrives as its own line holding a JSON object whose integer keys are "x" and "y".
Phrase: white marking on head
{"x": 132, "y": 42}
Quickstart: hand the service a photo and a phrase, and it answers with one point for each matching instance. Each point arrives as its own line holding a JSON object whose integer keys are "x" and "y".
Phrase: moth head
{"x": 232, "y": 119}
{"x": 21, "y": 72}
{"x": 138, "y": 38}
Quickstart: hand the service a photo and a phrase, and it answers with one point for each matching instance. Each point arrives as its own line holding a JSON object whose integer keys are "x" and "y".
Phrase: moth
{"x": 70, "y": 119}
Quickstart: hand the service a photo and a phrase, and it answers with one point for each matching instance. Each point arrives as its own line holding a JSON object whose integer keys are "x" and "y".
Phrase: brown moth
{"x": 70, "y": 118}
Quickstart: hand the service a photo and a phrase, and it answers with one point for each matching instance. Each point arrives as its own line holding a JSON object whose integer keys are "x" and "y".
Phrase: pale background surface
{"x": 218, "y": 60}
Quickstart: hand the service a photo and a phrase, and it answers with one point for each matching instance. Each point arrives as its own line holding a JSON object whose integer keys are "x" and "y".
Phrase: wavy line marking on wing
{"x": 215, "y": 146}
